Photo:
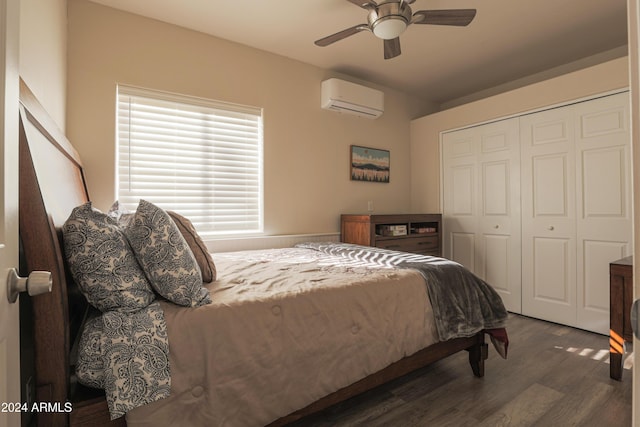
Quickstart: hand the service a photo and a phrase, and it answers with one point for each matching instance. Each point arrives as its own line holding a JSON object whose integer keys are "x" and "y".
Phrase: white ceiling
{"x": 508, "y": 39}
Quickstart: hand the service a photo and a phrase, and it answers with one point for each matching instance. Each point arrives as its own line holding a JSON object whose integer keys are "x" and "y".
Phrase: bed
{"x": 336, "y": 291}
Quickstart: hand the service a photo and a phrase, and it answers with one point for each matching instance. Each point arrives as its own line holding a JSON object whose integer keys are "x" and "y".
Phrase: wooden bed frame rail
{"x": 475, "y": 345}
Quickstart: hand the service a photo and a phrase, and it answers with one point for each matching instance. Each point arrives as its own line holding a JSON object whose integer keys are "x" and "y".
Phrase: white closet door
{"x": 576, "y": 209}
{"x": 481, "y": 204}
{"x": 538, "y": 206}
{"x": 460, "y": 188}
{"x": 604, "y": 219}
{"x": 499, "y": 210}
{"x": 548, "y": 216}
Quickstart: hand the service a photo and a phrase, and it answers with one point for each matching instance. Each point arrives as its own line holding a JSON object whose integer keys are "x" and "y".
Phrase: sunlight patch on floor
{"x": 601, "y": 355}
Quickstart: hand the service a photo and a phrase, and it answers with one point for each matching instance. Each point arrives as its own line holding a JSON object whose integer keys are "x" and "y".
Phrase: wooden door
{"x": 548, "y": 215}
{"x": 604, "y": 216}
{"x": 481, "y": 204}
{"x": 9, "y": 322}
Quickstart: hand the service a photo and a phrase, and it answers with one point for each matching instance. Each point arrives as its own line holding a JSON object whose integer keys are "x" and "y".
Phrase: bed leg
{"x": 478, "y": 353}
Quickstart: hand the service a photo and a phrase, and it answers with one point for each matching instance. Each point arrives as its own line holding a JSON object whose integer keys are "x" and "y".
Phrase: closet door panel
{"x": 495, "y": 188}
{"x": 552, "y": 273}
{"x": 549, "y": 182}
{"x": 548, "y": 216}
{"x": 460, "y": 225}
{"x": 462, "y": 190}
{"x": 603, "y": 182}
{"x": 460, "y": 187}
{"x": 462, "y": 247}
{"x": 604, "y": 116}
{"x": 497, "y": 267}
{"x": 604, "y": 220}
{"x": 481, "y": 204}
{"x": 499, "y": 205}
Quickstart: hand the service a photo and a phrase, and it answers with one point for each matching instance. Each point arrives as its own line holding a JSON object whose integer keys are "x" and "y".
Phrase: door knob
{"x": 38, "y": 282}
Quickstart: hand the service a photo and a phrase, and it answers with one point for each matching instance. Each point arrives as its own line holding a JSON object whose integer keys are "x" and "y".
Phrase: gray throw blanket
{"x": 463, "y": 304}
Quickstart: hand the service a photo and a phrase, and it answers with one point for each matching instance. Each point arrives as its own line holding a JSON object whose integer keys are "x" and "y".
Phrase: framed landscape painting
{"x": 369, "y": 164}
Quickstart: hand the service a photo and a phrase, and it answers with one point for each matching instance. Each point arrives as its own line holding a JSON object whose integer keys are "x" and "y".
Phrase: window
{"x": 200, "y": 158}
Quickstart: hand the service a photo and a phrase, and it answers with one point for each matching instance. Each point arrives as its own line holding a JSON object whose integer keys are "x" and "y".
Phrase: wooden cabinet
{"x": 416, "y": 233}
{"x": 621, "y": 297}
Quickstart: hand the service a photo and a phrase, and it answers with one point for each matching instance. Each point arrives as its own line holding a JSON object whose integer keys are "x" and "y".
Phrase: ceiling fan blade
{"x": 326, "y": 41}
{"x": 457, "y": 17}
{"x": 392, "y": 48}
{"x": 365, "y": 4}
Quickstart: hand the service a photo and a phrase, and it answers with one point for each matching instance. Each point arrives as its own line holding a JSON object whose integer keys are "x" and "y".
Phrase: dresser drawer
{"x": 422, "y": 245}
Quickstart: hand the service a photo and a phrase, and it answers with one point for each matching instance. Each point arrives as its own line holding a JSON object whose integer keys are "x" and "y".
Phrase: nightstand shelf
{"x": 416, "y": 233}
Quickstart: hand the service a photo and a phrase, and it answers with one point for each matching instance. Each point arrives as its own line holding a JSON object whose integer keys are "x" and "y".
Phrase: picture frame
{"x": 370, "y": 164}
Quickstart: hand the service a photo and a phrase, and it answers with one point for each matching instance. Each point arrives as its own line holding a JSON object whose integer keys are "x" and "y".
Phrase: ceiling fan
{"x": 388, "y": 19}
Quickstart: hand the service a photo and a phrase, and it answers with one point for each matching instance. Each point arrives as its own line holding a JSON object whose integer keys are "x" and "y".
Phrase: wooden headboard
{"x": 51, "y": 184}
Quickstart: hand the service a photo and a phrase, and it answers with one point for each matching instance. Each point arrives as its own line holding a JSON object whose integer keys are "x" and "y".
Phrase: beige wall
{"x": 43, "y": 53}
{"x": 425, "y": 131}
{"x": 306, "y": 152}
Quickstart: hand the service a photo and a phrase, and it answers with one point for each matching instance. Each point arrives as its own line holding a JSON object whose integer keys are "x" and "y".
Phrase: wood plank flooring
{"x": 554, "y": 376}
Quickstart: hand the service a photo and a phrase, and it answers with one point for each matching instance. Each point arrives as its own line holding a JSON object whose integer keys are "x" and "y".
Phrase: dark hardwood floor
{"x": 554, "y": 376}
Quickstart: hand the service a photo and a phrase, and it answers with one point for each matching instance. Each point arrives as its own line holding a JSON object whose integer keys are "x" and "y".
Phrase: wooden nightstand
{"x": 621, "y": 297}
{"x": 416, "y": 233}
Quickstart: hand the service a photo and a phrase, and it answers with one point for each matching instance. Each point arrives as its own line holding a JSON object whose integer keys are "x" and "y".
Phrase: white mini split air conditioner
{"x": 350, "y": 98}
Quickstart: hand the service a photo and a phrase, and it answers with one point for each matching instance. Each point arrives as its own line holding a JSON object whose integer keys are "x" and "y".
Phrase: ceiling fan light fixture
{"x": 388, "y": 19}
{"x": 389, "y": 27}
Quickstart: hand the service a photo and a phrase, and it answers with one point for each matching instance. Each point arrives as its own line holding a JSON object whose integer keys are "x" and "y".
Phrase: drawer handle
{"x": 393, "y": 246}
{"x": 551, "y": 228}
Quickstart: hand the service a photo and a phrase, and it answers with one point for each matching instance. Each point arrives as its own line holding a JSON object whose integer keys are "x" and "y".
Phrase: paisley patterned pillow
{"x": 188, "y": 231}
{"x": 165, "y": 257}
{"x": 136, "y": 355}
{"x": 127, "y": 355}
{"x": 90, "y": 365}
{"x": 102, "y": 262}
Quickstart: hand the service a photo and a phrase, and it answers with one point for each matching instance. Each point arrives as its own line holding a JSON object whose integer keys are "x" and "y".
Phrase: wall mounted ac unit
{"x": 350, "y": 98}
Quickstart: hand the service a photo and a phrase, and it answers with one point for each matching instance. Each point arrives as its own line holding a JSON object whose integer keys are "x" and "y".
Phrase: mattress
{"x": 286, "y": 328}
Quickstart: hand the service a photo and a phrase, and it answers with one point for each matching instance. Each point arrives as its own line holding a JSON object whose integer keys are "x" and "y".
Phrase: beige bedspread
{"x": 286, "y": 327}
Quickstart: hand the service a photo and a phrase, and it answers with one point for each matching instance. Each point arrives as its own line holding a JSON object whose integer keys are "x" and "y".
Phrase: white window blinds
{"x": 201, "y": 158}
